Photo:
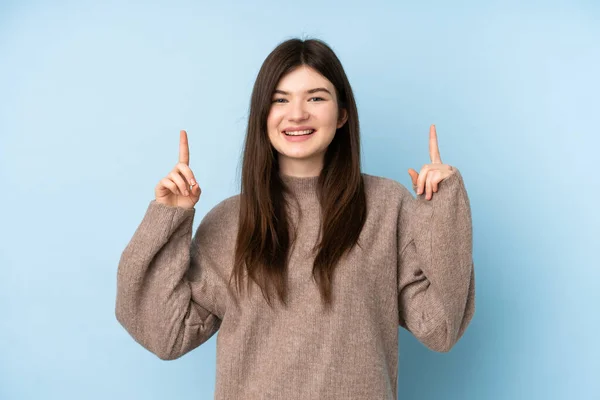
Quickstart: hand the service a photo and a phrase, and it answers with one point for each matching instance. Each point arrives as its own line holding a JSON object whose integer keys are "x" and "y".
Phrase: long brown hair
{"x": 263, "y": 240}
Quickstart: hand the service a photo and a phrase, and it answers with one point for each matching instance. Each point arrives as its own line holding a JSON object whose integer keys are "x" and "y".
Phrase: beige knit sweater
{"x": 414, "y": 269}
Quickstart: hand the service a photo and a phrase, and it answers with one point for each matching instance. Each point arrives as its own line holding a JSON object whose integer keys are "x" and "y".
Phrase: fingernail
{"x": 193, "y": 182}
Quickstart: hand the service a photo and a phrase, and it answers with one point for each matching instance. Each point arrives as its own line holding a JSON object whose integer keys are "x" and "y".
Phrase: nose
{"x": 298, "y": 111}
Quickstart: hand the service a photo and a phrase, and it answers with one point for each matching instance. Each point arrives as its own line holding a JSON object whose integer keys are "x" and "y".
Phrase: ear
{"x": 343, "y": 118}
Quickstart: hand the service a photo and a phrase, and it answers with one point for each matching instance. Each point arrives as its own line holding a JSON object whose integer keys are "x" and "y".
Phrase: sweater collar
{"x": 304, "y": 188}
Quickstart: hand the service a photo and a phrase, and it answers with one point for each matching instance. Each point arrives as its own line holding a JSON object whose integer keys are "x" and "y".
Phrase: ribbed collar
{"x": 305, "y": 188}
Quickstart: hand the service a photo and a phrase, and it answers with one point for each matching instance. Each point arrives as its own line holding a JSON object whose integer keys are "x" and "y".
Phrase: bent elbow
{"x": 444, "y": 348}
{"x": 121, "y": 317}
{"x": 149, "y": 342}
{"x": 440, "y": 339}
{"x": 166, "y": 356}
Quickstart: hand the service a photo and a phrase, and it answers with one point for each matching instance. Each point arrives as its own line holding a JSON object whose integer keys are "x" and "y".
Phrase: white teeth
{"x": 298, "y": 133}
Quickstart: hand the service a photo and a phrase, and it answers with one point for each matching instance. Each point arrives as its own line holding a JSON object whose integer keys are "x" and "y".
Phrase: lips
{"x": 299, "y": 132}
{"x": 296, "y": 129}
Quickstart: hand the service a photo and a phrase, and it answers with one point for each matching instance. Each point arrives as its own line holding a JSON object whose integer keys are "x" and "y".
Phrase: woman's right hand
{"x": 179, "y": 188}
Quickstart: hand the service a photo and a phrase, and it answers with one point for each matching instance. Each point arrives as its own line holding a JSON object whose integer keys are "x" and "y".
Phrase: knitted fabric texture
{"x": 413, "y": 269}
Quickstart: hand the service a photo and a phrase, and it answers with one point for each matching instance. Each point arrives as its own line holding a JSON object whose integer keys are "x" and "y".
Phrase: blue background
{"x": 92, "y": 98}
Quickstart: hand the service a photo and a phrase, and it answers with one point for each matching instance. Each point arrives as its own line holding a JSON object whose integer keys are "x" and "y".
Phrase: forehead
{"x": 303, "y": 78}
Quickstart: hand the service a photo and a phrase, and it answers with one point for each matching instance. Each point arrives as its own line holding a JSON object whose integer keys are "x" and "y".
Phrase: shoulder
{"x": 224, "y": 212}
{"x": 218, "y": 228}
{"x": 381, "y": 188}
{"x": 225, "y": 207}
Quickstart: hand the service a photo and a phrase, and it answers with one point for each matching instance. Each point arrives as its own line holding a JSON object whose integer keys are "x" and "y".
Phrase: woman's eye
{"x": 285, "y": 100}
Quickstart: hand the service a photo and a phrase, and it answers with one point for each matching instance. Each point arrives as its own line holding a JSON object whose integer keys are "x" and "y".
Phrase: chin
{"x": 298, "y": 156}
{"x": 302, "y": 155}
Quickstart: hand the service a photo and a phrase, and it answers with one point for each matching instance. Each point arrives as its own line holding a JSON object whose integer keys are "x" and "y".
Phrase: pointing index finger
{"x": 184, "y": 150}
{"x": 434, "y": 151}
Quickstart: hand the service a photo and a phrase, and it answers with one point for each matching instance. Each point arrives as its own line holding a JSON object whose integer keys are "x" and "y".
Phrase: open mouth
{"x": 299, "y": 133}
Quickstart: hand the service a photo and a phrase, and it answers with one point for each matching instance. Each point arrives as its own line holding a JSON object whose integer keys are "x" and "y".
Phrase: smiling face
{"x": 303, "y": 120}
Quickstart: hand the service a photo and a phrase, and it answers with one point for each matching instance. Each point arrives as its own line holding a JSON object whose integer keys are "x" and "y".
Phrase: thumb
{"x": 414, "y": 175}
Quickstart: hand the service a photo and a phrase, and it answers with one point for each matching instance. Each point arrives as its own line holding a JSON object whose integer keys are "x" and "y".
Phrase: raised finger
{"x": 184, "y": 150}
{"x": 180, "y": 182}
{"x": 434, "y": 151}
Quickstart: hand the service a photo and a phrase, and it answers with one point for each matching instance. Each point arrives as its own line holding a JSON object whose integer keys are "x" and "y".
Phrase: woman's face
{"x": 304, "y": 100}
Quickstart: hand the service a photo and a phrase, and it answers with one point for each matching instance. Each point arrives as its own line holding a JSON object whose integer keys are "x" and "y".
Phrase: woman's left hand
{"x": 431, "y": 174}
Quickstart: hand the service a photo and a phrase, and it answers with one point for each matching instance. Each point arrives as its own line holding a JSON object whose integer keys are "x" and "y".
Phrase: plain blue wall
{"x": 92, "y": 98}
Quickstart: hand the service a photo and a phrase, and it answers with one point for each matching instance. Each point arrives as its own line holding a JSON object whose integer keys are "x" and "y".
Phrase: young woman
{"x": 309, "y": 271}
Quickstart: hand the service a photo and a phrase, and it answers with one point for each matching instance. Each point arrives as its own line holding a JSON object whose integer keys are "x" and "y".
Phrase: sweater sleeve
{"x": 436, "y": 278}
{"x": 158, "y": 305}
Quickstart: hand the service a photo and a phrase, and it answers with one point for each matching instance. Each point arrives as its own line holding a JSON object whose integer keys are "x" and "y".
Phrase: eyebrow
{"x": 310, "y": 91}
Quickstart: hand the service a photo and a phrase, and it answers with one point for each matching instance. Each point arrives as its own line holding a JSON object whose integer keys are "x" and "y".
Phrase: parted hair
{"x": 264, "y": 240}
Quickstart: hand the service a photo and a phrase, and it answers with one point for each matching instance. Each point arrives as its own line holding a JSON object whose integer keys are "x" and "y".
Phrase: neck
{"x": 300, "y": 168}
{"x": 304, "y": 188}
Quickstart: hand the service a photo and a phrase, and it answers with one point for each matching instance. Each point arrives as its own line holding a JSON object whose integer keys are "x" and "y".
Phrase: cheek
{"x": 329, "y": 116}
{"x": 273, "y": 120}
